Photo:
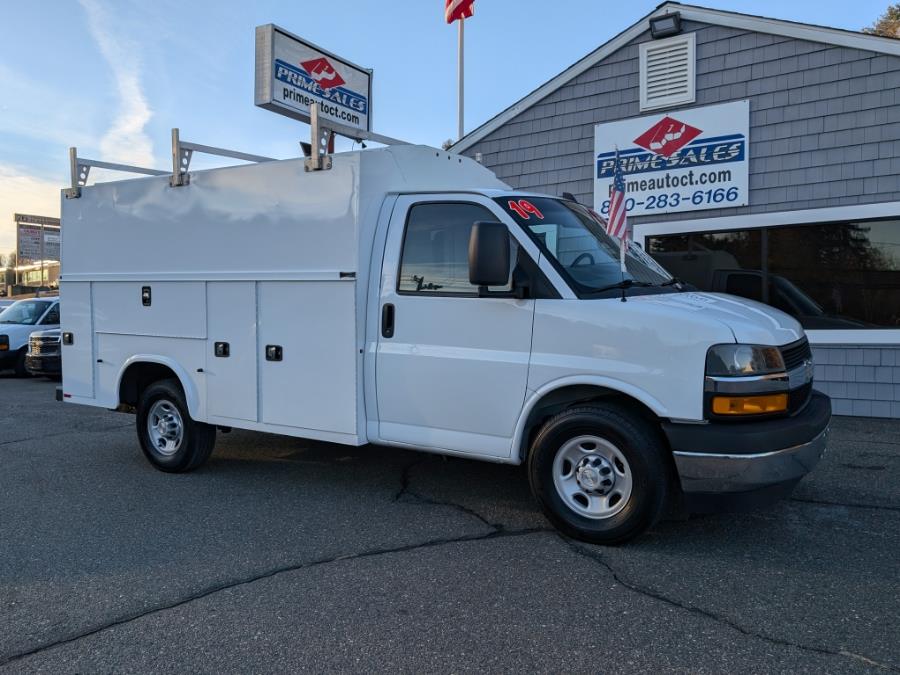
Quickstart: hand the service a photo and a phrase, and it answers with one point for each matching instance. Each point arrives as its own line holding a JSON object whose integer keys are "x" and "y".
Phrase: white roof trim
{"x": 800, "y": 31}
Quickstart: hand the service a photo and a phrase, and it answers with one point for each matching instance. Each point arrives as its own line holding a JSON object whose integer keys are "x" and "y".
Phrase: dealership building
{"x": 760, "y": 157}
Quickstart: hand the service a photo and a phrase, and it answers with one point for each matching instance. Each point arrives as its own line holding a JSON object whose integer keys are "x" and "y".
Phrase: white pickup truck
{"x": 405, "y": 296}
{"x": 17, "y": 322}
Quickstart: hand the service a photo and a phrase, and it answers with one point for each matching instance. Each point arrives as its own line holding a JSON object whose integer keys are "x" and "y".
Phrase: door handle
{"x": 273, "y": 353}
{"x": 387, "y": 321}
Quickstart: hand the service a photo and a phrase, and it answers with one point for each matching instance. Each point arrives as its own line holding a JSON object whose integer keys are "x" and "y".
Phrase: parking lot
{"x": 300, "y": 555}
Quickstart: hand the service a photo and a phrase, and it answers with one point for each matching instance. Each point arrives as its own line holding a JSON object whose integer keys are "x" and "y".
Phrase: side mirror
{"x": 488, "y": 254}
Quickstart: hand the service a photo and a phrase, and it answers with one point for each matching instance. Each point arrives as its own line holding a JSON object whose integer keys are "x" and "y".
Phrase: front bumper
{"x": 43, "y": 365}
{"x": 722, "y": 463}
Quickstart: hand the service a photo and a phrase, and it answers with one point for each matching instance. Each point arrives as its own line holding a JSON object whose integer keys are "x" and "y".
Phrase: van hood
{"x": 750, "y": 322}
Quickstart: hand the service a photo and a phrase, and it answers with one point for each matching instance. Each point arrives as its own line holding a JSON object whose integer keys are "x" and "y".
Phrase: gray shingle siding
{"x": 824, "y": 122}
{"x": 824, "y": 132}
{"x": 859, "y": 380}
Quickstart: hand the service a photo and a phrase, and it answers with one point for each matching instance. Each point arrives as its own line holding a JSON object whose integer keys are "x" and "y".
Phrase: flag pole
{"x": 459, "y": 67}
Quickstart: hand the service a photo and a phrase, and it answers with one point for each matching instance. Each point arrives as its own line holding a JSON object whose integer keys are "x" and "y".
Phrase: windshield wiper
{"x": 625, "y": 284}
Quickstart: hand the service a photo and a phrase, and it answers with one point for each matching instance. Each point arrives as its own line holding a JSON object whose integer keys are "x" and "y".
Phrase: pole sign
{"x": 676, "y": 161}
{"x": 293, "y": 74}
{"x": 37, "y": 238}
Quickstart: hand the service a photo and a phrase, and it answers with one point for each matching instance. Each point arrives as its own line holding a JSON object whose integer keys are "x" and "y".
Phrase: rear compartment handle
{"x": 387, "y": 321}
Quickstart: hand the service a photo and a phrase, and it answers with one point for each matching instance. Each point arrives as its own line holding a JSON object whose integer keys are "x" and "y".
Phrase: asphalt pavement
{"x": 284, "y": 555}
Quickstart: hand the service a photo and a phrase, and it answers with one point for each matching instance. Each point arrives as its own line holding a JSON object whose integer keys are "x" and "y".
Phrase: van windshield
{"x": 25, "y": 312}
{"x": 575, "y": 240}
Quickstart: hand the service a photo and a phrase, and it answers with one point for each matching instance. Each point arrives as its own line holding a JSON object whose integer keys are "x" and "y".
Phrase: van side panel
{"x": 78, "y": 357}
{"x": 184, "y": 356}
{"x": 231, "y": 380}
{"x": 176, "y": 309}
{"x": 313, "y": 386}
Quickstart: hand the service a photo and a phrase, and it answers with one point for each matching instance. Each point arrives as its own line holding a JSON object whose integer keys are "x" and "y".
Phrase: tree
{"x": 888, "y": 24}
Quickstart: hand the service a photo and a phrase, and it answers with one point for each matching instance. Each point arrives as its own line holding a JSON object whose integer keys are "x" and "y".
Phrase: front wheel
{"x": 170, "y": 439}
{"x": 599, "y": 473}
{"x": 19, "y": 368}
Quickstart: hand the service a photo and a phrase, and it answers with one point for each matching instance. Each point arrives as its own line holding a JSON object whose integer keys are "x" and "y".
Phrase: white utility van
{"x": 405, "y": 296}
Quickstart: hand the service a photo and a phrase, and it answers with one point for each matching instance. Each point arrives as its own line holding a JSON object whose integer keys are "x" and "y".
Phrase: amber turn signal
{"x": 749, "y": 405}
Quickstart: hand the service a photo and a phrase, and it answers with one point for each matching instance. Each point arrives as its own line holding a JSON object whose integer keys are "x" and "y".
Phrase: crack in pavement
{"x": 406, "y": 491}
{"x": 823, "y": 502}
{"x": 65, "y": 433}
{"x": 718, "y": 618}
{"x": 497, "y": 530}
{"x": 406, "y": 495}
{"x": 217, "y": 588}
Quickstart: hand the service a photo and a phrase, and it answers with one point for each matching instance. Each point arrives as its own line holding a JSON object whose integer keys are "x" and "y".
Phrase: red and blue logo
{"x": 672, "y": 144}
{"x": 325, "y": 74}
{"x": 318, "y": 77}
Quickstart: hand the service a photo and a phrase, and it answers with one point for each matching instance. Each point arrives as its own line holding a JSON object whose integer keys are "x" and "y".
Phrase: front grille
{"x": 43, "y": 346}
{"x": 795, "y": 353}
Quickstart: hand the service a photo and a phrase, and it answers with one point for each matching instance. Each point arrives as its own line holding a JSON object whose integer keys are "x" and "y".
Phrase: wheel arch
{"x": 141, "y": 370}
{"x": 559, "y": 394}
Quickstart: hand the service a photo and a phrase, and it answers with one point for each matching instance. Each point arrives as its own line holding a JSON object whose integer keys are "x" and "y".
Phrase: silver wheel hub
{"x": 165, "y": 427}
{"x": 595, "y": 474}
{"x": 592, "y": 477}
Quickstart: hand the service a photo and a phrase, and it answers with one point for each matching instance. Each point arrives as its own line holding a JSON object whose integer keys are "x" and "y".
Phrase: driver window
{"x": 435, "y": 256}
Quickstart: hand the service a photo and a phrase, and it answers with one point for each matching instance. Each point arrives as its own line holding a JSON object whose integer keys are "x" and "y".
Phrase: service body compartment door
{"x": 309, "y": 379}
{"x": 78, "y": 357}
{"x": 231, "y": 387}
{"x": 451, "y": 367}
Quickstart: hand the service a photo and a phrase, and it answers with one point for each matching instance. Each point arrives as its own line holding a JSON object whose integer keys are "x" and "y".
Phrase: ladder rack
{"x": 317, "y": 158}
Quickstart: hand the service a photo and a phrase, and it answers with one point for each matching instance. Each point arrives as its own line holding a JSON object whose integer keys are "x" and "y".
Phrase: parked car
{"x": 43, "y": 357}
{"x": 17, "y": 323}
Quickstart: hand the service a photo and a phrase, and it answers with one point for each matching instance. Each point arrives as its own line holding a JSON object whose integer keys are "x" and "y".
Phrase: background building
{"x": 762, "y": 158}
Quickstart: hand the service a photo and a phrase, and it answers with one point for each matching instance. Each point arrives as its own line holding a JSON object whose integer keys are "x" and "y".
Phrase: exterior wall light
{"x": 664, "y": 26}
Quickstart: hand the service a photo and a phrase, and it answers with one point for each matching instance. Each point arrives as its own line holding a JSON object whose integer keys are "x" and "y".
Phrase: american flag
{"x": 455, "y": 10}
{"x": 617, "y": 224}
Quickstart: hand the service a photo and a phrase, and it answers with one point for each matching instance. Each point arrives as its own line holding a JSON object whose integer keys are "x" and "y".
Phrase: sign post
{"x": 293, "y": 75}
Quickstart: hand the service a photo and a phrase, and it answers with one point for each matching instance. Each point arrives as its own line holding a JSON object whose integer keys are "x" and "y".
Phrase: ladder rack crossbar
{"x": 222, "y": 152}
{"x": 97, "y": 164}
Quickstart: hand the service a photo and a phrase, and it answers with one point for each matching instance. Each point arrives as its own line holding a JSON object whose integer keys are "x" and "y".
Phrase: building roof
{"x": 760, "y": 24}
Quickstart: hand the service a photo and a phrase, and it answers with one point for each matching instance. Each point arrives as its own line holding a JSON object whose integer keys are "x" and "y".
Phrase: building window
{"x": 667, "y": 75}
{"x": 840, "y": 276}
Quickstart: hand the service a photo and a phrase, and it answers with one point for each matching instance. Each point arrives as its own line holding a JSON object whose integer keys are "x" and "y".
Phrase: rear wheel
{"x": 170, "y": 439}
{"x": 600, "y": 473}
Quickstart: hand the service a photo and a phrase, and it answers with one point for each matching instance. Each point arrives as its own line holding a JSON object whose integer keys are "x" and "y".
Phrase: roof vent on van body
{"x": 668, "y": 72}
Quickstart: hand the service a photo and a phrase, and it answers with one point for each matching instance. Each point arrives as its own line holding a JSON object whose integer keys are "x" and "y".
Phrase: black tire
{"x": 20, "y": 369}
{"x": 649, "y": 469}
{"x": 196, "y": 439}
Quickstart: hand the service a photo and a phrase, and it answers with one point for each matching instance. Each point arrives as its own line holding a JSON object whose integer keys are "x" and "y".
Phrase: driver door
{"x": 451, "y": 367}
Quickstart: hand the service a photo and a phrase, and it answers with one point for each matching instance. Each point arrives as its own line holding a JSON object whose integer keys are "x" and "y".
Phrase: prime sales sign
{"x": 292, "y": 75}
{"x": 676, "y": 161}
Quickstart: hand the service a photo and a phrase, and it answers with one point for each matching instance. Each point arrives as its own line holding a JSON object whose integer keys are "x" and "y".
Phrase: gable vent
{"x": 667, "y": 72}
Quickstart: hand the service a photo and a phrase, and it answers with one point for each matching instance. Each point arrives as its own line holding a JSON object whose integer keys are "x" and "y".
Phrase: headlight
{"x": 4, "y": 343}
{"x": 743, "y": 360}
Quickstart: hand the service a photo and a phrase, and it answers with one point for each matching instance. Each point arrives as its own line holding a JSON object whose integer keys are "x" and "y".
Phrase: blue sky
{"x": 114, "y": 77}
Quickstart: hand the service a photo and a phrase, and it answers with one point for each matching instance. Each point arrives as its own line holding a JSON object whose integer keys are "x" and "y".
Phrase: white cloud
{"x": 126, "y": 141}
{"x": 24, "y": 193}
